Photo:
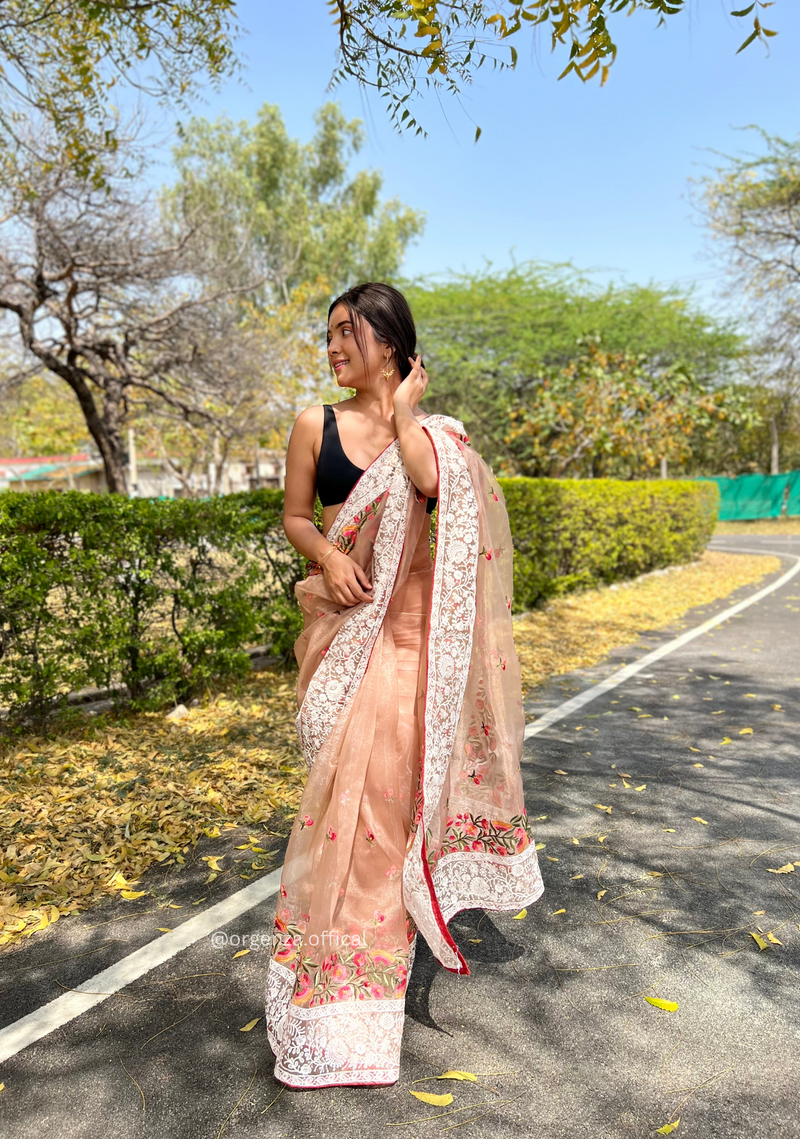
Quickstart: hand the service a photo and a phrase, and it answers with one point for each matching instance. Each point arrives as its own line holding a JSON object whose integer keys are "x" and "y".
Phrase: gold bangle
{"x": 332, "y": 550}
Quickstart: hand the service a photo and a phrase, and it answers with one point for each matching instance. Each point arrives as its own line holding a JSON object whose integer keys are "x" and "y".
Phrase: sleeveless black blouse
{"x": 336, "y": 475}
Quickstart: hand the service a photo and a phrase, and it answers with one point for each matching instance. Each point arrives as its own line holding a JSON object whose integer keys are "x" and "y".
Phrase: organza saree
{"x": 411, "y": 724}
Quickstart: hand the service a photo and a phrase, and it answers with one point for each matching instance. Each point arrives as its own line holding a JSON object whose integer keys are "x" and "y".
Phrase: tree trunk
{"x": 775, "y": 453}
{"x": 663, "y": 466}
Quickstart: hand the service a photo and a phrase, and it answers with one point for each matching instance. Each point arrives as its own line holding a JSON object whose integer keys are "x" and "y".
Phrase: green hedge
{"x": 577, "y": 533}
{"x": 159, "y": 596}
{"x": 164, "y": 596}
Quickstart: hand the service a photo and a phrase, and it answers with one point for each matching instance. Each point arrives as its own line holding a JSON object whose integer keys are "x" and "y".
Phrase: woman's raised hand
{"x": 346, "y": 579}
{"x": 412, "y": 389}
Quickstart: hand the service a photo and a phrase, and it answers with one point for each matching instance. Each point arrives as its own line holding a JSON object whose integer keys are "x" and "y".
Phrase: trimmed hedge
{"x": 159, "y": 596}
{"x": 574, "y": 534}
{"x": 163, "y": 596}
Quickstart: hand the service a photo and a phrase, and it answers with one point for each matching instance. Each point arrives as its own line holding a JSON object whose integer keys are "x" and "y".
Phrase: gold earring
{"x": 389, "y": 374}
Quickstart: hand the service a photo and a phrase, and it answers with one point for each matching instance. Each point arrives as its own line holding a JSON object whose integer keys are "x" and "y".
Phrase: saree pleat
{"x": 410, "y": 720}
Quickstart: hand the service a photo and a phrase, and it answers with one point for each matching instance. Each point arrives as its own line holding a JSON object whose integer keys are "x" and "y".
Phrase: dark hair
{"x": 386, "y": 310}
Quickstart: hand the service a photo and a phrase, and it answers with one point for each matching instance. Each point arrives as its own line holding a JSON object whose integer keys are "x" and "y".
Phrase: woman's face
{"x": 349, "y": 366}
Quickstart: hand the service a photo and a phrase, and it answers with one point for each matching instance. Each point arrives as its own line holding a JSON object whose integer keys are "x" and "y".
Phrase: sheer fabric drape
{"x": 411, "y": 723}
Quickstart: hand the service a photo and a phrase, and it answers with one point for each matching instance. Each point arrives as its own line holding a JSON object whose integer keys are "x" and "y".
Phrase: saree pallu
{"x": 411, "y": 724}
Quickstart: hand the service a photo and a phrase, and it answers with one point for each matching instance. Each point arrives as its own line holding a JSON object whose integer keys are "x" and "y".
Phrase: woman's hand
{"x": 412, "y": 388}
{"x": 346, "y": 579}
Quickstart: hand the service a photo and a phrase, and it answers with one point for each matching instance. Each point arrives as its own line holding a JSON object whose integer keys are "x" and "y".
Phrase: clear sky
{"x": 563, "y": 171}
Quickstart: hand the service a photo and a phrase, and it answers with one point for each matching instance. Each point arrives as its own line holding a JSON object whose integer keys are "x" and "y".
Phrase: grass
{"x": 86, "y": 810}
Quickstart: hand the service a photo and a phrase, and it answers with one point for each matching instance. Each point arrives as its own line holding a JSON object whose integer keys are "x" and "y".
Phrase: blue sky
{"x": 563, "y": 171}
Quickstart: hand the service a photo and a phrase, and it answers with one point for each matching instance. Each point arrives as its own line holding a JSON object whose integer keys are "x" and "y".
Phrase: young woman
{"x": 410, "y": 711}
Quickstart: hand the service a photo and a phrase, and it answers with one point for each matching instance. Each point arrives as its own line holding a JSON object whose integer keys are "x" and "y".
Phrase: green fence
{"x": 748, "y": 497}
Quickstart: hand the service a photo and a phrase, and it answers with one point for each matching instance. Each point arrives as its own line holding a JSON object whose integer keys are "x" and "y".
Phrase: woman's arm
{"x": 415, "y": 446}
{"x": 346, "y": 579}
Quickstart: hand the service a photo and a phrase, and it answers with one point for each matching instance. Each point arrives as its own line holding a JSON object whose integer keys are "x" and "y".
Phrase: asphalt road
{"x": 554, "y": 1017}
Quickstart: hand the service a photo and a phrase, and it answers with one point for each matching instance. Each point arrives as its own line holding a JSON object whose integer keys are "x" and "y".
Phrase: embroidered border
{"x": 467, "y": 880}
{"x": 453, "y": 608}
{"x": 355, "y": 1042}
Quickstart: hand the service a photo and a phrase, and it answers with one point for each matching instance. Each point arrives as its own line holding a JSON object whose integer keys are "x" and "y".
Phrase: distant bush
{"x": 164, "y": 596}
{"x": 577, "y": 533}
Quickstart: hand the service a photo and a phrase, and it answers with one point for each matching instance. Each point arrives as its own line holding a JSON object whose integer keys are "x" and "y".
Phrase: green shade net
{"x": 756, "y": 496}
{"x": 793, "y": 505}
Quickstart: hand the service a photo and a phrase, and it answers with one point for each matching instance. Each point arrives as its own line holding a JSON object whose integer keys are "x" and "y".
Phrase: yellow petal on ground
{"x": 541, "y": 845}
{"x": 558, "y": 912}
{"x": 600, "y": 894}
{"x": 250, "y": 1025}
{"x": 602, "y": 837}
{"x": 213, "y": 832}
{"x": 522, "y": 914}
{"x": 697, "y": 819}
{"x": 655, "y": 873}
{"x": 474, "y": 940}
{"x": 642, "y": 788}
{"x": 212, "y": 860}
{"x": 550, "y": 858}
{"x": 776, "y": 707}
{"x": 771, "y": 937}
{"x": 574, "y": 876}
{"x": 668, "y": 1128}
{"x": 131, "y": 895}
{"x": 625, "y": 783}
{"x": 644, "y": 716}
{"x": 667, "y": 1006}
{"x": 698, "y": 765}
{"x": 433, "y": 1100}
{"x": 787, "y": 869}
{"x": 164, "y": 929}
{"x": 600, "y": 807}
{"x": 669, "y": 830}
{"x": 727, "y": 740}
{"x": 558, "y": 771}
{"x": 750, "y": 696}
{"x": 576, "y": 842}
{"x": 760, "y": 942}
{"x": 456, "y": 1075}
{"x": 694, "y": 749}
{"x": 746, "y": 732}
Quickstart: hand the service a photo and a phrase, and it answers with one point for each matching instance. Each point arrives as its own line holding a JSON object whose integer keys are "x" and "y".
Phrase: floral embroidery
{"x": 487, "y": 553}
{"x": 306, "y": 821}
{"x": 370, "y": 837}
{"x": 346, "y": 538}
{"x": 469, "y": 831}
{"x": 331, "y": 834}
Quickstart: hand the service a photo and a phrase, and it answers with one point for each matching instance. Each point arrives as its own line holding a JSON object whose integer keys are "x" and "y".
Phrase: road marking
{"x": 28, "y": 1029}
{"x": 623, "y": 674}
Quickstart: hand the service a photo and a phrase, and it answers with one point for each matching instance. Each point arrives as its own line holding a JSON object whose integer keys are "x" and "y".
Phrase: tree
{"x": 98, "y": 294}
{"x": 39, "y": 416}
{"x": 606, "y": 415}
{"x": 62, "y": 61}
{"x": 489, "y": 337}
{"x": 404, "y": 47}
{"x": 292, "y": 208}
{"x": 752, "y": 207}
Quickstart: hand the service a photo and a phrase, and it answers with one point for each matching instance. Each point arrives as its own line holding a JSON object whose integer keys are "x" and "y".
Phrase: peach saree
{"x": 411, "y": 724}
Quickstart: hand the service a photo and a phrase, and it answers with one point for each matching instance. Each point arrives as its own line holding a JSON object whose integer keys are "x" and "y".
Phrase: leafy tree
{"x": 292, "y": 209}
{"x": 606, "y": 415}
{"x": 39, "y": 416}
{"x": 404, "y": 47}
{"x": 62, "y": 59}
{"x": 752, "y": 207}
{"x": 489, "y": 338}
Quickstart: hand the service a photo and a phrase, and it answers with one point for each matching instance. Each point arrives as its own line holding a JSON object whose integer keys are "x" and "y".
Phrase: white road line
{"x": 629, "y": 670}
{"x": 28, "y": 1029}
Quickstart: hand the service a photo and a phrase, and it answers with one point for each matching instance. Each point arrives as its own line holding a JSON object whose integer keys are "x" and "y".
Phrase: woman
{"x": 410, "y": 710}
